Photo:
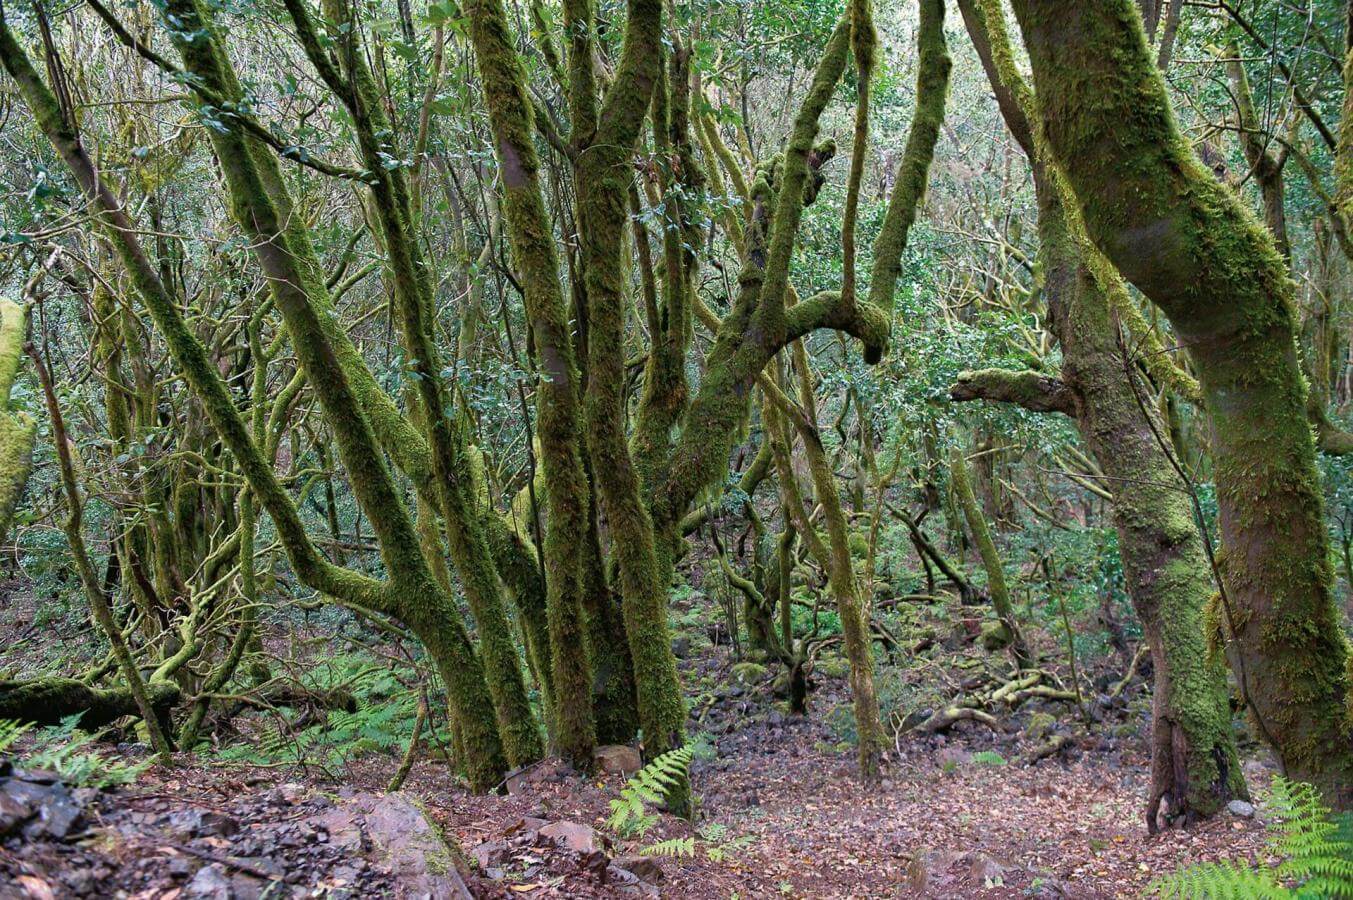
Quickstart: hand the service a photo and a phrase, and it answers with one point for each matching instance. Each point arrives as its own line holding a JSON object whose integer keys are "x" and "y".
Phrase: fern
{"x": 11, "y": 731}
{"x": 676, "y": 848}
{"x": 648, "y": 787}
{"x": 70, "y": 755}
{"x": 1317, "y": 857}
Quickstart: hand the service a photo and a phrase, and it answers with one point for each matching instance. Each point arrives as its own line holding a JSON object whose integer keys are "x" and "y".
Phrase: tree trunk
{"x": 1194, "y": 249}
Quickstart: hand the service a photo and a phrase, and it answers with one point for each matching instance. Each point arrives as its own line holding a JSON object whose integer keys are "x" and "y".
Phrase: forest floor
{"x": 780, "y": 814}
{"x": 781, "y": 797}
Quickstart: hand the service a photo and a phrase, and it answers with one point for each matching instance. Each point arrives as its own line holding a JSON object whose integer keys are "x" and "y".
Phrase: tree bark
{"x": 1194, "y": 249}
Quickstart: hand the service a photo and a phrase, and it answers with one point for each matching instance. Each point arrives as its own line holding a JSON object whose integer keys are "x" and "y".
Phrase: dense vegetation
{"x": 379, "y": 368}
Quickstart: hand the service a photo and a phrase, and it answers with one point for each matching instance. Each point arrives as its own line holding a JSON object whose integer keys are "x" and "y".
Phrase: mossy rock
{"x": 749, "y": 672}
{"x": 858, "y": 542}
{"x": 994, "y": 636}
{"x": 833, "y": 667}
{"x": 1040, "y": 725}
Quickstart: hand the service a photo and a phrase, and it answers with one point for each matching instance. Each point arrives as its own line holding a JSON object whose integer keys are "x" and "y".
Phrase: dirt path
{"x": 942, "y": 825}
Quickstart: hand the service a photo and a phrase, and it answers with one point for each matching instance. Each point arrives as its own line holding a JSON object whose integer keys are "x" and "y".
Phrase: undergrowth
{"x": 72, "y": 755}
{"x": 1316, "y": 852}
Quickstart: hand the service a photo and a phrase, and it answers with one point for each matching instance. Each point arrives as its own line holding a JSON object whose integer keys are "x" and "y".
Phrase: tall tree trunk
{"x": 1194, "y": 249}
{"x": 1194, "y": 762}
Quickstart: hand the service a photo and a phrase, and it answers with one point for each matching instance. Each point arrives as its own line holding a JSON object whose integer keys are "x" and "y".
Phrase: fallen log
{"x": 46, "y": 701}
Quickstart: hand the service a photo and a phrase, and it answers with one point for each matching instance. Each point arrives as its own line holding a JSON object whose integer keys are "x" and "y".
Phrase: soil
{"x": 780, "y": 814}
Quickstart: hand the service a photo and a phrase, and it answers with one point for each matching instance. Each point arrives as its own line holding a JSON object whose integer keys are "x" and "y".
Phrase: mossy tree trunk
{"x": 352, "y": 82}
{"x": 991, "y": 558}
{"x": 1195, "y": 251}
{"x": 1194, "y": 762}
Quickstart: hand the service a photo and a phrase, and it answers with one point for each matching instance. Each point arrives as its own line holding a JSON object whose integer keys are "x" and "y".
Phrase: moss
{"x": 1039, "y": 726}
{"x": 558, "y": 396}
{"x": 18, "y": 432}
{"x": 749, "y": 672}
{"x": 47, "y": 701}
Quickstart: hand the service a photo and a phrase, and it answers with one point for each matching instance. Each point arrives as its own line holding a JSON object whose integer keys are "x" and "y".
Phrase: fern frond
{"x": 1317, "y": 856}
{"x": 1219, "y": 881}
{"x": 648, "y": 787}
{"x": 676, "y": 847}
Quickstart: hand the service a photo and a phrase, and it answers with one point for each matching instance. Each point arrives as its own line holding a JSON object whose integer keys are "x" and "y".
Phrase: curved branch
{"x": 1031, "y": 390}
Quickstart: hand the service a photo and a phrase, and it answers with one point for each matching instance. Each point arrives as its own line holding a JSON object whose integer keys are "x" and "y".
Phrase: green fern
{"x": 648, "y": 787}
{"x": 676, "y": 848}
{"x": 71, "y": 755}
{"x": 1317, "y": 857}
{"x": 11, "y": 731}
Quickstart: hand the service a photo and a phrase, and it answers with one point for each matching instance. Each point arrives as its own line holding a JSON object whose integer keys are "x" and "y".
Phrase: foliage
{"x": 75, "y": 757}
{"x": 629, "y": 813}
{"x": 1317, "y": 856}
{"x": 381, "y": 723}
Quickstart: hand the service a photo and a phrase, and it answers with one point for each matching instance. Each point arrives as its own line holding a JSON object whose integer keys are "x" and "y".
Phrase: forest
{"x": 676, "y": 448}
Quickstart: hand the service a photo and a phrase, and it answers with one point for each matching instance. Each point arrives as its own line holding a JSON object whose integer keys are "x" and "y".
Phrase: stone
{"x": 520, "y": 780}
{"x": 646, "y": 868}
{"x": 572, "y": 836}
{"x": 950, "y": 757}
{"x": 1241, "y": 808}
{"x": 60, "y": 814}
{"x": 617, "y": 759}
{"x": 929, "y": 870}
{"x": 14, "y": 811}
{"x": 293, "y": 793}
{"x": 681, "y": 647}
{"x": 490, "y": 853}
{"x": 408, "y": 845}
{"x": 210, "y": 883}
{"x": 994, "y": 636}
{"x": 984, "y": 870}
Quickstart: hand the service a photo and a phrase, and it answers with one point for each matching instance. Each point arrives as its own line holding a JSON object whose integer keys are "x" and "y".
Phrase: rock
{"x": 58, "y": 815}
{"x": 929, "y": 868}
{"x": 210, "y": 883}
{"x": 1241, "y": 808}
{"x": 396, "y": 837}
{"x": 994, "y": 636}
{"x": 952, "y": 757}
{"x": 293, "y": 793}
{"x": 490, "y": 853}
{"x": 985, "y": 870}
{"x": 200, "y": 823}
{"x": 246, "y": 887}
{"x": 681, "y": 647}
{"x": 617, "y": 759}
{"x": 832, "y": 667}
{"x": 411, "y": 847}
{"x": 572, "y": 836}
{"x": 216, "y": 824}
{"x": 1040, "y": 725}
{"x": 14, "y": 811}
{"x": 646, "y": 868}
{"x": 518, "y": 781}
{"x": 749, "y": 672}
{"x": 527, "y": 825}
{"x": 640, "y": 889}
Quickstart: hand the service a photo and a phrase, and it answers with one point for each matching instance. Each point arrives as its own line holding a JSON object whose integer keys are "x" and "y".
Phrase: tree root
{"x": 1051, "y": 747}
{"x": 946, "y": 718}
